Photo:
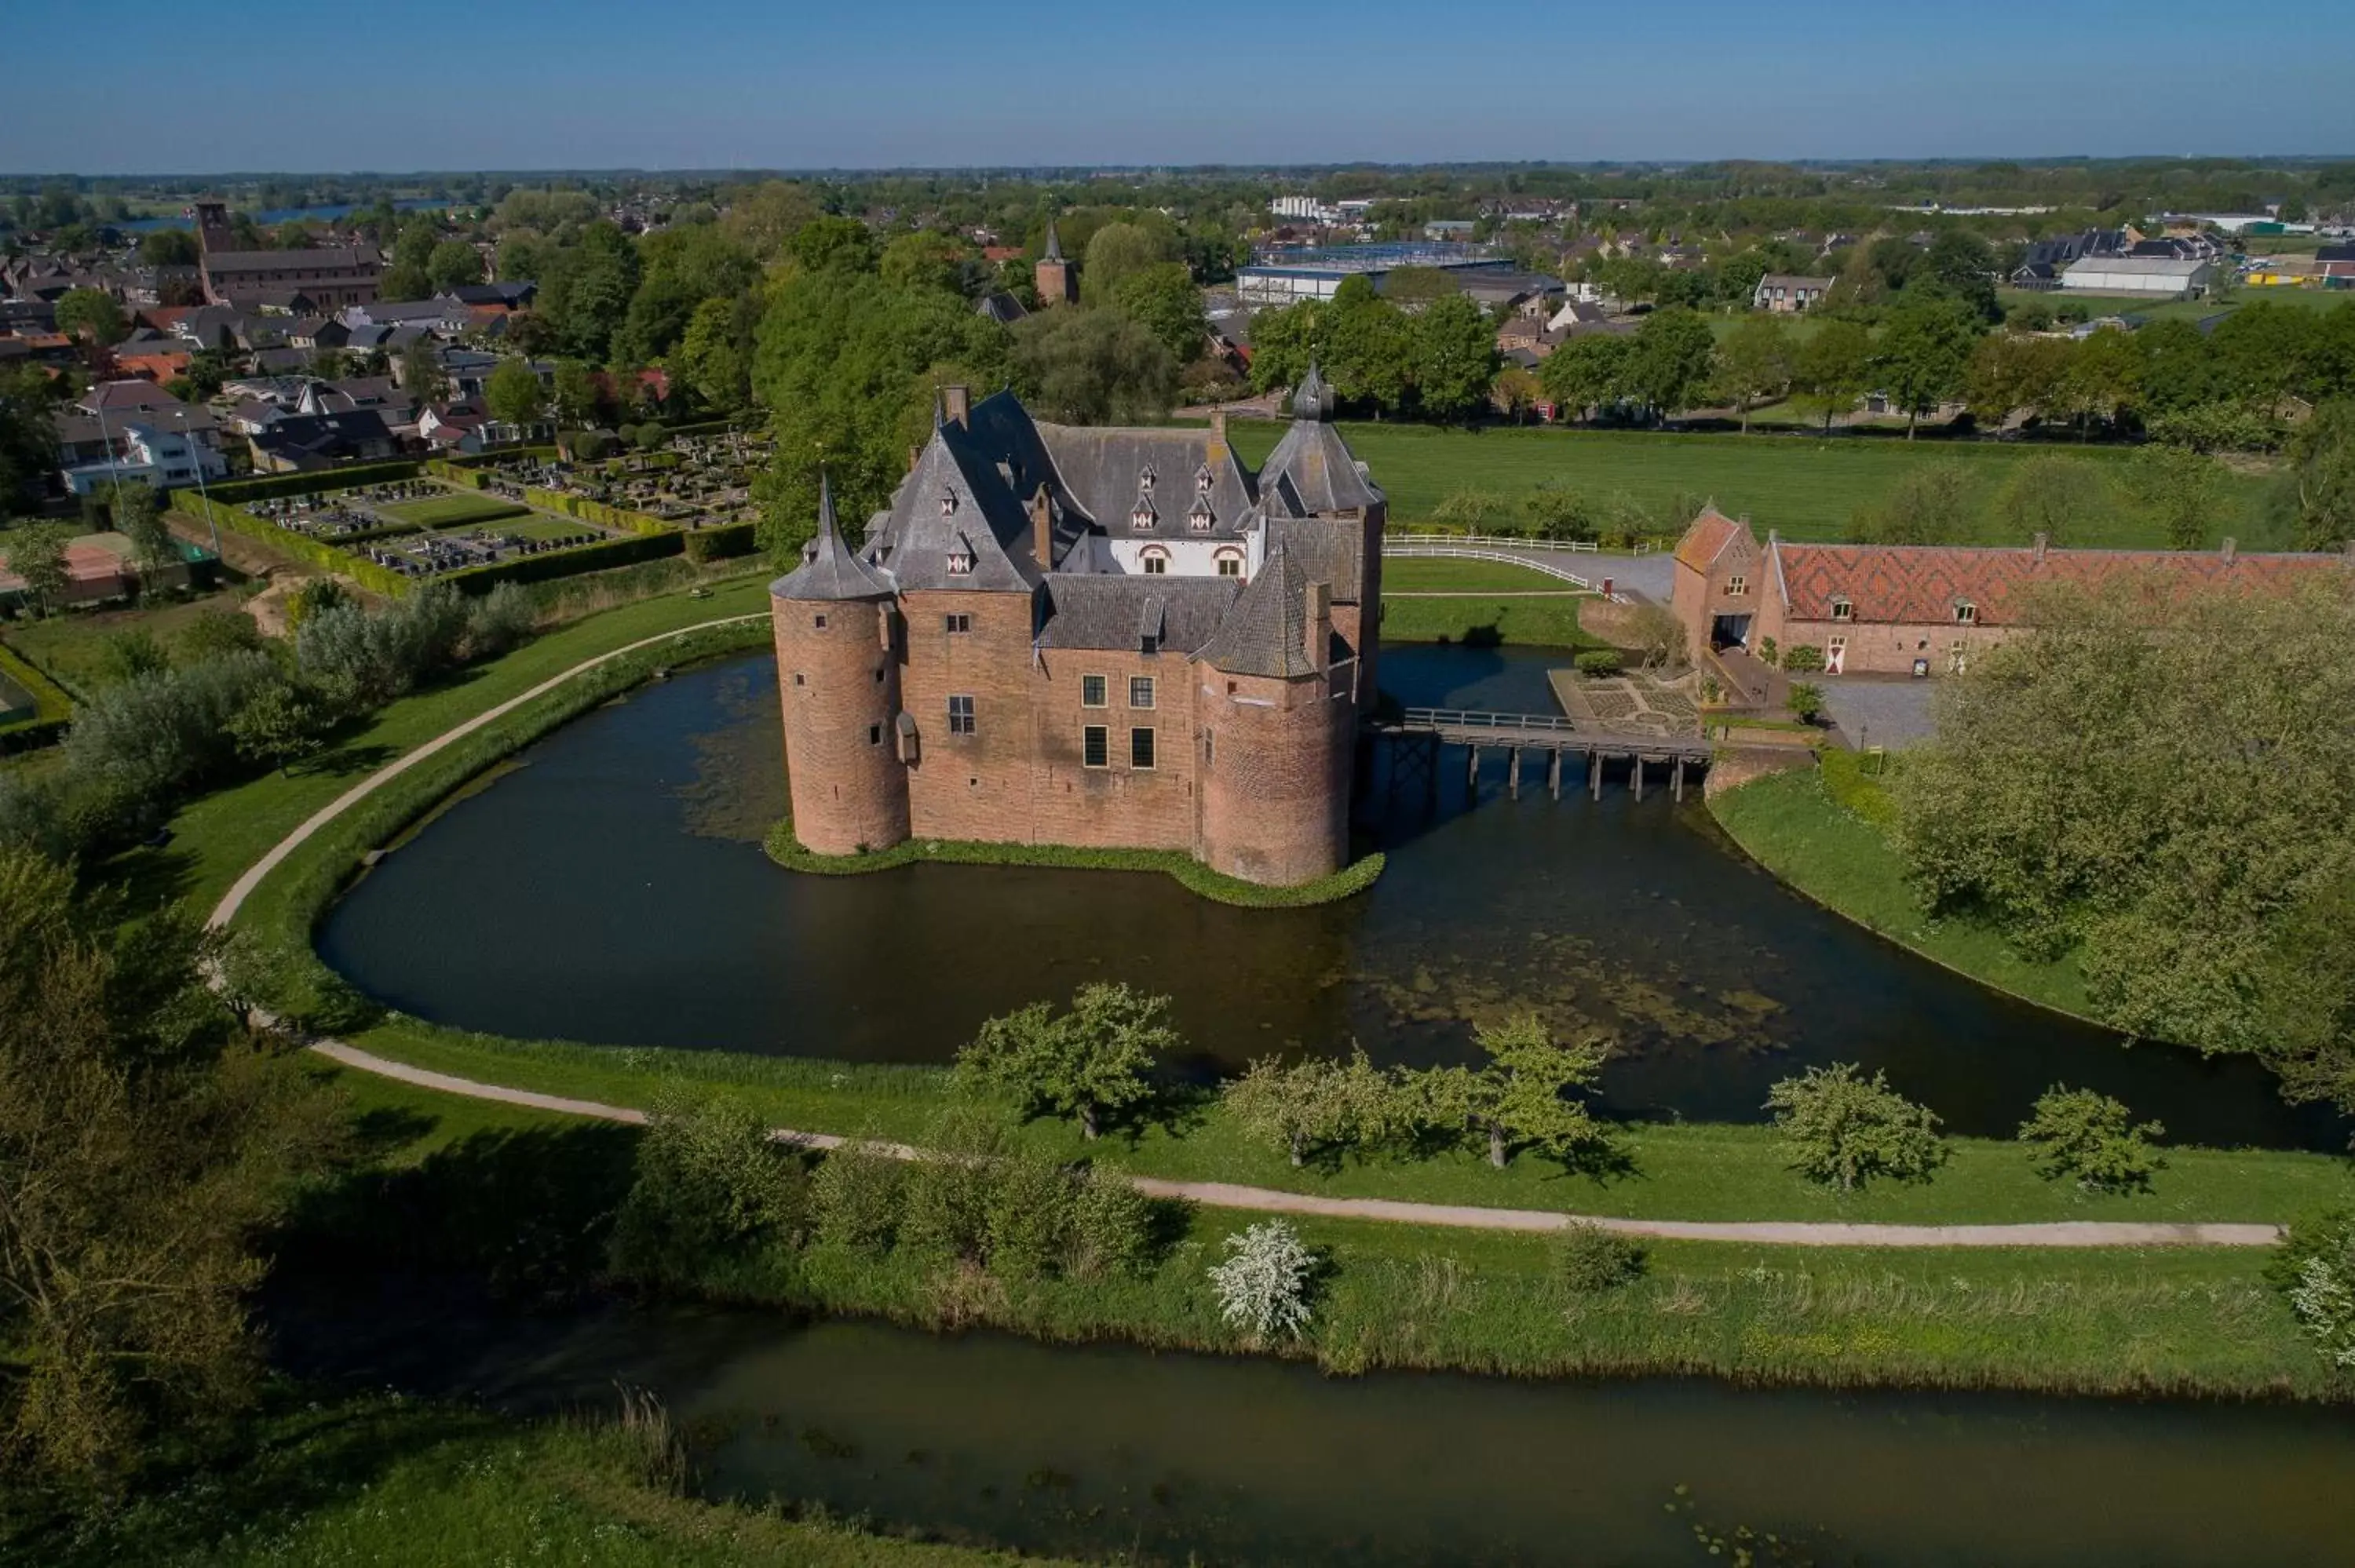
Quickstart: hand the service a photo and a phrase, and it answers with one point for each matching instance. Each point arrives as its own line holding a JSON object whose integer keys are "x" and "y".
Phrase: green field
{"x": 70, "y": 648}
{"x": 529, "y": 525}
{"x": 452, "y": 510}
{"x": 1440, "y": 574}
{"x": 1807, "y": 487}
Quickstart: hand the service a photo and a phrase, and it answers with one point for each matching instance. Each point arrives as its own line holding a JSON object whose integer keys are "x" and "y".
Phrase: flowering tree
{"x": 1263, "y": 1285}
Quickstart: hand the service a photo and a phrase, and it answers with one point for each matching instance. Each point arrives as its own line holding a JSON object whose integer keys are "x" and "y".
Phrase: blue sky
{"x": 139, "y": 86}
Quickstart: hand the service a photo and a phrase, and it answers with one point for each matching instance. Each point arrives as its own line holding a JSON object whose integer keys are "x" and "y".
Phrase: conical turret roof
{"x": 1054, "y": 243}
{"x": 830, "y": 568}
{"x": 1313, "y": 398}
{"x": 1267, "y": 633}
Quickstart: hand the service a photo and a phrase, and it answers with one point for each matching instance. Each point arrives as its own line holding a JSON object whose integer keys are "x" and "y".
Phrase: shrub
{"x": 1263, "y": 1285}
{"x": 944, "y": 1207}
{"x": 1029, "y": 1217}
{"x": 361, "y": 661}
{"x": 1598, "y": 663}
{"x": 709, "y": 1184}
{"x": 1589, "y": 1260}
{"x": 499, "y": 620}
{"x": 2092, "y": 1137}
{"x": 1803, "y": 658}
{"x": 1839, "y": 1126}
{"x": 857, "y": 1197}
{"x": 1111, "y": 1229}
{"x": 1766, "y": 652}
{"x": 156, "y": 733}
{"x": 2315, "y": 1271}
{"x": 1805, "y": 702}
{"x": 1090, "y": 1063}
{"x": 314, "y": 598}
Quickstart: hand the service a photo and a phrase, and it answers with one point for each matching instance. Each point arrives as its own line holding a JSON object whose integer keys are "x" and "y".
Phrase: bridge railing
{"x": 1465, "y": 718}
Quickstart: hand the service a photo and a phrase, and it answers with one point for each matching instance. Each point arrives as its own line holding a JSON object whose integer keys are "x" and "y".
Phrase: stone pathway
{"x": 1221, "y": 1194}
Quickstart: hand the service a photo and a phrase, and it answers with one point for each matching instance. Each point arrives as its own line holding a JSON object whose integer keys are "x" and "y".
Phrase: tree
{"x": 2315, "y": 1271}
{"x": 1516, "y": 1099}
{"x": 1960, "y": 265}
{"x": 139, "y": 517}
{"x": 513, "y": 394}
{"x": 1454, "y": 357}
{"x": 925, "y": 260}
{"x": 2100, "y": 375}
{"x": 1590, "y": 372}
{"x": 577, "y": 397}
{"x": 1263, "y": 1283}
{"x": 708, "y": 1184}
{"x": 1515, "y": 392}
{"x": 1756, "y": 361}
{"x": 1929, "y": 505}
{"x": 1090, "y": 1063}
{"x": 37, "y": 553}
{"x": 28, "y": 446}
{"x": 766, "y": 218}
{"x": 682, "y": 268}
{"x": 1840, "y": 1126}
{"x": 2092, "y": 1138}
{"x": 2009, "y": 373}
{"x": 2181, "y": 488}
{"x": 830, "y": 244}
{"x": 716, "y": 354}
{"x": 1164, "y": 301}
{"x": 1674, "y": 352}
{"x": 1832, "y": 369}
{"x": 1922, "y": 354}
{"x": 404, "y": 280}
{"x": 2055, "y": 498}
{"x": 1115, "y": 253}
{"x": 93, "y": 315}
{"x": 279, "y": 725}
{"x": 1285, "y": 342}
{"x": 1367, "y": 352}
{"x": 451, "y": 265}
{"x": 169, "y": 248}
{"x": 2323, "y": 474}
{"x": 144, "y": 1146}
{"x": 1092, "y": 367}
{"x": 1313, "y": 1105}
{"x": 422, "y": 376}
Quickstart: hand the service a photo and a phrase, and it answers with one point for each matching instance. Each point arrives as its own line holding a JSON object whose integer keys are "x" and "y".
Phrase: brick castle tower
{"x": 1052, "y": 276}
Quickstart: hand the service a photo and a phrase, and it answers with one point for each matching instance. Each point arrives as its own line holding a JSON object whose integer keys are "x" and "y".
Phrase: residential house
{"x": 2149, "y": 277}
{"x": 1786, "y": 293}
{"x": 301, "y": 443}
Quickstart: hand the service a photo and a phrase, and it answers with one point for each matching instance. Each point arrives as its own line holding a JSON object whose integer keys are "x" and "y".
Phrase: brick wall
{"x": 838, "y": 683}
{"x": 1119, "y": 804}
{"x": 1275, "y": 789}
{"x": 972, "y": 786}
{"x": 1886, "y": 648}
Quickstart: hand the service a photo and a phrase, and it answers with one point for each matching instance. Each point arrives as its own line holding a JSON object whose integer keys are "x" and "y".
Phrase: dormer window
{"x": 1201, "y": 518}
{"x": 960, "y": 563}
{"x": 1142, "y": 516}
{"x": 949, "y": 504}
{"x": 1145, "y": 479}
{"x": 1843, "y": 610}
{"x": 1965, "y": 612}
{"x": 1202, "y": 480}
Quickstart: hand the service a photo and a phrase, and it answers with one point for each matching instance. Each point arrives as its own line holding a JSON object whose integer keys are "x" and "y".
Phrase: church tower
{"x": 833, "y": 619}
{"x": 1052, "y": 276}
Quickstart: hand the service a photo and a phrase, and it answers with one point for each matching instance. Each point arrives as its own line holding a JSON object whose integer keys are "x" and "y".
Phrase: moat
{"x": 610, "y": 888}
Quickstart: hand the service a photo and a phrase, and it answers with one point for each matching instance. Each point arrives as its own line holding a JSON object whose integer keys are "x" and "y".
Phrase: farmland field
{"x": 1807, "y": 487}
{"x": 452, "y": 510}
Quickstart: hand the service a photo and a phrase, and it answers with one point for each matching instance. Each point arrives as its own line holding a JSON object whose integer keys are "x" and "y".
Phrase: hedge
{"x": 548, "y": 564}
{"x": 51, "y": 707}
{"x": 243, "y": 489}
{"x": 301, "y": 546}
{"x": 721, "y": 542}
{"x": 597, "y": 512}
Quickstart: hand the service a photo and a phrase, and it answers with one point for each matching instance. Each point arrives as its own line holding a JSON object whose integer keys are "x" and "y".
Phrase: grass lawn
{"x": 1407, "y": 1296}
{"x": 454, "y": 509}
{"x": 1532, "y": 623}
{"x": 1806, "y": 487}
{"x": 531, "y": 526}
{"x": 1410, "y": 573}
{"x": 1790, "y": 823}
{"x": 70, "y": 648}
{"x": 216, "y": 836}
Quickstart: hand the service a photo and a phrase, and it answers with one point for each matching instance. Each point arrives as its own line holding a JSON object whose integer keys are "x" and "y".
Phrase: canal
{"x": 610, "y": 888}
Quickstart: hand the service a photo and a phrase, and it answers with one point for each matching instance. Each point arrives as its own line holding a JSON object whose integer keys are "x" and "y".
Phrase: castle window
{"x": 959, "y": 563}
{"x": 1202, "y": 479}
{"x": 1095, "y": 746}
{"x": 1965, "y": 612}
{"x": 1140, "y": 691}
{"x": 961, "y": 715}
{"x": 1736, "y": 585}
{"x": 949, "y": 504}
{"x": 1140, "y": 749}
{"x": 1156, "y": 566}
{"x": 874, "y": 735}
{"x": 1143, "y": 516}
{"x": 1843, "y": 610}
{"x": 957, "y": 625}
{"x": 1091, "y": 692}
{"x": 1210, "y": 748}
{"x": 1230, "y": 565}
{"x": 1146, "y": 478}
{"x": 818, "y": 621}
{"x": 798, "y": 679}
{"x": 1201, "y": 518}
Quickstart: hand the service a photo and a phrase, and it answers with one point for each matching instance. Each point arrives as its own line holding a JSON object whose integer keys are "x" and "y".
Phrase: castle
{"x": 1105, "y": 637}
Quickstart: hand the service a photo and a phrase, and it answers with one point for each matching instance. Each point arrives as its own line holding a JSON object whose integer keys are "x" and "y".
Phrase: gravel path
{"x": 1221, "y": 1194}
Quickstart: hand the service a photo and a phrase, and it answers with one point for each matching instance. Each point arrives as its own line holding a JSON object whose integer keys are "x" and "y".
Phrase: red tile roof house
{"x": 1911, "y": 610}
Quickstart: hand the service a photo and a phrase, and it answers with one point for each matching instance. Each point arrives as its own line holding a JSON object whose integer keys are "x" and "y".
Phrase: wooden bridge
{"x": 1420, "y": 733}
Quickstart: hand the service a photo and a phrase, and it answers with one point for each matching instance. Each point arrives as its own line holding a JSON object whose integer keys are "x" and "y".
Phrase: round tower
{"x": 839, "y": 678}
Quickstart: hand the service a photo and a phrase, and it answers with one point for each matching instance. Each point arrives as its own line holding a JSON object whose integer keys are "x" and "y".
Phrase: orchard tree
{"x": 1263, "y": 1284}
{"x": 1313, "y": 1105}
{"x": 2181, "y": 488}
{"x": 1516, "y": 1100}
{"x": 1092, "y": 1063}
{"x": 280, "y": 724}
{"x": 2323, "y": 459}
{"x": 1839, "y": 1127}
{"x": 1929, "y": 505}
{"x": 2055, "y": 497}
{"x": 2092, "y": 1139}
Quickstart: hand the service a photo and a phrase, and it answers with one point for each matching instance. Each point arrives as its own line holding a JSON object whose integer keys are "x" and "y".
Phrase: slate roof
{"x": 1103, "y": 474}
{"x": 1312, "y": 470}
{"x": 229, "y": 263}
{"x": 829, "y": 569}
{"x": 1901, "y": 584}
{"x": 957, "y": 503}
{"x": 1266, "y": 633}
{"x": 1115, "y": 610}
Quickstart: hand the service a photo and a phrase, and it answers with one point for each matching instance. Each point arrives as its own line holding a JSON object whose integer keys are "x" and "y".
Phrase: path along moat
{"x": 611, "y": 889}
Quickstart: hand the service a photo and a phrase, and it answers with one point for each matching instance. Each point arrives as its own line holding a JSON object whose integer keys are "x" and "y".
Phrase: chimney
{"x": 1217, "y": 452}
{"x": 2042, "y": 542}
{"x": 1317, "y": 637}
{"x": 958, "y": 401}
{"x": 2232, "y": 548}
{"x": 913, "y": 453}
{"x": 1042, "y": 530}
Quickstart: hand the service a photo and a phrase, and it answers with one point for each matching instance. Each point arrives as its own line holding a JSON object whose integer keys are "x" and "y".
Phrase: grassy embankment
{"x": 1805, "y": 486}
{"x": 1824, "y": 831}
{"x": 70, "y": 648}
{"x": 1463, "y": 610}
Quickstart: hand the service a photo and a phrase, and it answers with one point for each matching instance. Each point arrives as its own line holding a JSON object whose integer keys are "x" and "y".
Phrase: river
{"x": 610, "y": 888}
